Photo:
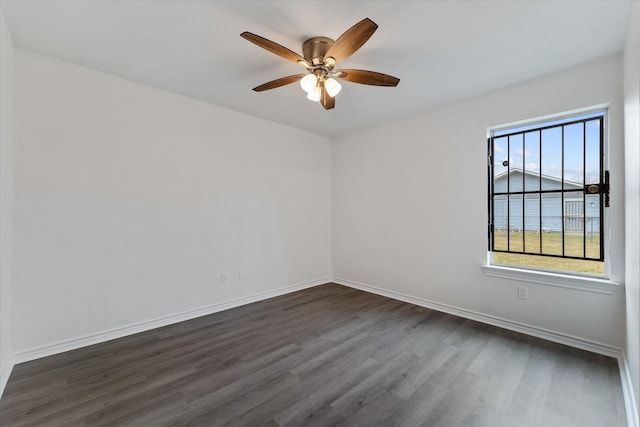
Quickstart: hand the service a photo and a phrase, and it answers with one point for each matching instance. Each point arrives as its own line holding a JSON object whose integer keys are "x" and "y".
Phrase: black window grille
{"x": 548, "y": 189}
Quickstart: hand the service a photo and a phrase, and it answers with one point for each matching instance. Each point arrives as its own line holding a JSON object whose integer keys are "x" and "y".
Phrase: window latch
{"x": 601, "y": 188}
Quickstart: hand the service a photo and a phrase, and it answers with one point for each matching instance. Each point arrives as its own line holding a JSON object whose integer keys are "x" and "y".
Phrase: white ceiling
{"x": 441, "y": 50}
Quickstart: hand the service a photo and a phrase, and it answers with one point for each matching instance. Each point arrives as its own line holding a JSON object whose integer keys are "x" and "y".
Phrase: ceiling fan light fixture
{"x": 308, "y": 82}
{"x": 314, "y": 94}
{"x": 332, "y": 86}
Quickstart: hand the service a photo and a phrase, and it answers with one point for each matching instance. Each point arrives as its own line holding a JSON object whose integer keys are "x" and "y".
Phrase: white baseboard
{"x": 627, "y": 391}
{"x": 5, "y": 373}
{"x": 535, "y": 331}
{"x": 96, "y": 338}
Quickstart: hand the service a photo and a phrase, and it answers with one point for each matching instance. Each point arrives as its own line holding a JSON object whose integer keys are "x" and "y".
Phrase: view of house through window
{"x": 547, "y": 193}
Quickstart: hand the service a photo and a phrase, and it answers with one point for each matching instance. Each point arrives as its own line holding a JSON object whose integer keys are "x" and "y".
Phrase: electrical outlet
{"x": 223, "y": 278}
{"x": 523, "y": 292}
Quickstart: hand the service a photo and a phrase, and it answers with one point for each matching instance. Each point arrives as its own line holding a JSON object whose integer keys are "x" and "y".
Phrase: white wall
{"x": 410, "y": 209}
{"x": 130, "y": 202}
{"x": 6, "y": 195}
{"x": 632, "y": 199}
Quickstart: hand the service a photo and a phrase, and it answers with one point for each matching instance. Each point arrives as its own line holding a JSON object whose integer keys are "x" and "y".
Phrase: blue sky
{"x": 524, "y": 150}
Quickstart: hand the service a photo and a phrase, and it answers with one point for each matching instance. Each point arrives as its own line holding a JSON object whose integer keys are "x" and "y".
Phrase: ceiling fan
{"x": 321, "y": 54}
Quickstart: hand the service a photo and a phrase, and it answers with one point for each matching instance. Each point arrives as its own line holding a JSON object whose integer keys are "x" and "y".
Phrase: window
{"x": 547, "y": 193}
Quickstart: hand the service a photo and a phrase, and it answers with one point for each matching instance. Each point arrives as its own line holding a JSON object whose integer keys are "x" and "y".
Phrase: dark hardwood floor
{"x": 329, "y": 355}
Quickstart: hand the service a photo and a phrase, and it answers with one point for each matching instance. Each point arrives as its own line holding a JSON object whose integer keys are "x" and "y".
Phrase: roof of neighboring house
{"x": 536, "y": 175}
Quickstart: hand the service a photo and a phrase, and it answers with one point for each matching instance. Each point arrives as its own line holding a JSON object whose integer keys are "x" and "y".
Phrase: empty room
{"x": 320, "y": 213}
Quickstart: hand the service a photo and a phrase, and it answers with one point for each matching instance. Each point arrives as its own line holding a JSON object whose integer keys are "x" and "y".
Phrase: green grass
{"x": 529, "y": 241}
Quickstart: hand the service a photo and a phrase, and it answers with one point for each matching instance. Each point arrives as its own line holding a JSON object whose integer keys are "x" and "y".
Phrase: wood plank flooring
{"x": 325, "y": 356}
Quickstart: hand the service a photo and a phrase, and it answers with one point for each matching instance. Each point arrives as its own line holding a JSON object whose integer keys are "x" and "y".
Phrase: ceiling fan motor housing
{"x": 315, "y": 48}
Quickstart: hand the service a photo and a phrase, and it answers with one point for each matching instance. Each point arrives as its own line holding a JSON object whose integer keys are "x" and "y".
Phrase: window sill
{"x": 581, "y": 283}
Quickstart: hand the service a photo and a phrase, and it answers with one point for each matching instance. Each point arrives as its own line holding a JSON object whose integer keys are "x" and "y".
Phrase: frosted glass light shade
{"x": 308, "y": 82}
{"x": 314, "y": 94}
{"x": 332, "y": 86}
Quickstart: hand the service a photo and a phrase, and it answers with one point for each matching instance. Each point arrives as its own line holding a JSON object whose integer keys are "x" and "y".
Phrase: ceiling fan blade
{"x": 351, "y": 40}
{"x": 365, "y": 77}
{"x": 278, "y": 82}
{"x": 327, "y": 101}
{"x": 274, "y": 47}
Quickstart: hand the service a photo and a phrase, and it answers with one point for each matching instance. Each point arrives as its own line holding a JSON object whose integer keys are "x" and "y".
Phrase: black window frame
{"x": 601, "y": 188}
